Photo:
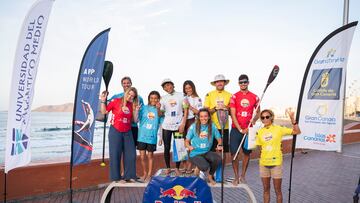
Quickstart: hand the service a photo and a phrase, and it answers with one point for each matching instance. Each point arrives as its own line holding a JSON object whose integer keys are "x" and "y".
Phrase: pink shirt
{"x": 122, "y": 117}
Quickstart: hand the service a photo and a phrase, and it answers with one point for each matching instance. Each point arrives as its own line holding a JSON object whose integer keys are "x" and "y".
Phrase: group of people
{"x": 135, "y": 125}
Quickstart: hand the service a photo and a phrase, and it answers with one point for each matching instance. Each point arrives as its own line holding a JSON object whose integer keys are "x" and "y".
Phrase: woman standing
{"x": 194, "y": 103}
{"x": 149, "y": 119}
{"x": 269, "y": 138}
{"x": 121, "y": 141}
{"x": 199, "y": 140}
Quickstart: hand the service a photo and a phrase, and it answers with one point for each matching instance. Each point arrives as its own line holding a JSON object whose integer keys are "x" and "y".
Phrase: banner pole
{"x": 346, "y": 12}
{"x": 5, "y": 189}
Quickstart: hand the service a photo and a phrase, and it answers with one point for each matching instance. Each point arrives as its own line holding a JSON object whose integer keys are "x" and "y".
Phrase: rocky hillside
{"x": 68, "y": 107}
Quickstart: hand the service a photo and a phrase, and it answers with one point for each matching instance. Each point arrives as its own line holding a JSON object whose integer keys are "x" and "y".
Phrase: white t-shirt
{"x": 172, "y": 106}
{"x": 194, "y": 102}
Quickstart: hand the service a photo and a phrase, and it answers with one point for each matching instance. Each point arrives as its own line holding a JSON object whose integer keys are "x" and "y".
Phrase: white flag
{"x": 26, "y": 61}
{"x": 322, "y": 94}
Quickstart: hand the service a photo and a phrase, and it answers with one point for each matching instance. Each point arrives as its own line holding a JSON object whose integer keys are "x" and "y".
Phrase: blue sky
{"x": 184, "y": 39}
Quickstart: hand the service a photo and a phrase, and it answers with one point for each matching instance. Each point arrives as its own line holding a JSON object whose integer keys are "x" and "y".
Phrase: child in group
{"x": 148, "y": 117}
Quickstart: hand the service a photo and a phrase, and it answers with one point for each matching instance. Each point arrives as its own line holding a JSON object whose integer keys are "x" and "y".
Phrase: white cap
{"x": 166, "y": 80}
{"x": 220, "y": 77}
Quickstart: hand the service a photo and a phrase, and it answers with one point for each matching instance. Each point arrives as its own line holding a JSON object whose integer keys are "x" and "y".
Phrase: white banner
{"x": 321, "y": 107}
{"x": 26, "y": 61}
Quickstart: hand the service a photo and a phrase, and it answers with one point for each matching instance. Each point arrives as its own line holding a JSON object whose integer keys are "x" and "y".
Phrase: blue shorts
{"x": 235, "y": 139}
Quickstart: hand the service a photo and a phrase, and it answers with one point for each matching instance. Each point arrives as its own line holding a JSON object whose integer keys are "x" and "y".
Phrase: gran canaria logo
{"x": 331, "y": 53}
{"x": 324, "y": 79}
{"x": 322, "y": 109}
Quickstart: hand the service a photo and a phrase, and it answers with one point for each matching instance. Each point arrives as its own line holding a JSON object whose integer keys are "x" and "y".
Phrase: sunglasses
{"x": 265, "y": 117}
{"x": 243, "y": 82}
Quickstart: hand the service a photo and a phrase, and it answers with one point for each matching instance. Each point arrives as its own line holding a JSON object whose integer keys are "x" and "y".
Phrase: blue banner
{"x": 325, "y": 84}
{"x": 163, "y": 189}
{"x": 87, "y": 98}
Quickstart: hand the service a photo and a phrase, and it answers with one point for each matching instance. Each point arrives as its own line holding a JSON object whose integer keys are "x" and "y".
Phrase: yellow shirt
{"x": 214, "y": 98}
{"x": 269, "y": 138}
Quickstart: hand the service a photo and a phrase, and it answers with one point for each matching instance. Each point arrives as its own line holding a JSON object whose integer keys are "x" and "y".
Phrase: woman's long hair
{"x": 209, "y": 123}
{"x": 189, "y": 82}
{"x": 136, "y": 99}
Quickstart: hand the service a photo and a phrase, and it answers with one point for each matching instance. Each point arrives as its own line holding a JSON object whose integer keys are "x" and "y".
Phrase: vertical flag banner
{"x": 321, "y": 100}
{"x": 87, "y": 97}
{"x": 26, "y": 62}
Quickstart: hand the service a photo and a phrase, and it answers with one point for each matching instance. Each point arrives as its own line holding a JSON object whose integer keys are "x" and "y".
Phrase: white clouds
{"x": 146, "y": 3}
{"x": 158, "y": 13}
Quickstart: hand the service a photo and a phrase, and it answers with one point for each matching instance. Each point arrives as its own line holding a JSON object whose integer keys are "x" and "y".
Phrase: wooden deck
{"x": 317, "y": 177}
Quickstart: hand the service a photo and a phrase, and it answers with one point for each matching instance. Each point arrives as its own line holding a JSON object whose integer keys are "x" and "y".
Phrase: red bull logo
{"x": 178, "y": 192}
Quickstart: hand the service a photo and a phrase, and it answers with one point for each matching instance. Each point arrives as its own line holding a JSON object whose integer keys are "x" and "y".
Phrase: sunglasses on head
{"x": 265, "y": 117}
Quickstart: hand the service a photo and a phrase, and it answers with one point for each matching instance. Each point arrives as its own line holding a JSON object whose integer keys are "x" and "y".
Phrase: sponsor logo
{"x": 331, "y": 53}
{"x": 268, "y": 137}
{"x": 19, "y": 142}
{"x": 172, "y": 102}
{"x": 330, "y": 58}
{"x": 324, "y": 79}
{"x": 322, "y": 109}
{"x": 177, "y": 192}
{"x": 203, "y": 134}
{"x": 321, "y": 118}
{"x": 244, "y": 103}
{"x": 151, "y": 115}
{"x": 321, "y": 138}
{"x": 330, "y": 138}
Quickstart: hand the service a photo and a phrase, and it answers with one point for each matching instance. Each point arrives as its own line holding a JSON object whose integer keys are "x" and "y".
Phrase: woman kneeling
{"x": 199, "y": 140}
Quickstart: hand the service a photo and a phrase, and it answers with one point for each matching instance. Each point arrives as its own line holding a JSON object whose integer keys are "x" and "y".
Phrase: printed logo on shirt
{"x": 267, "y": 137}
{"x": 151, "y": 115}
{"x": 220, "y": 102}
{"x": 126, "y": 110}
{"x": 172, "y": 102}
{"x": 244, "y": 103}
{"x": 125, "y": 120}
{"x": 203, "y": 134}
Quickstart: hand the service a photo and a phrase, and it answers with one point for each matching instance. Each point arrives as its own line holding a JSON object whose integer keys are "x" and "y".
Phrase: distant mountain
{"x": 68, "y": 107}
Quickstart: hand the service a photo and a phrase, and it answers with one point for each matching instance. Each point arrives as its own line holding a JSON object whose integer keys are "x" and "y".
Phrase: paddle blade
{"x": 272, "y": 75}
{"x": 107, "y": 72}
{"x": 222, "y": 116}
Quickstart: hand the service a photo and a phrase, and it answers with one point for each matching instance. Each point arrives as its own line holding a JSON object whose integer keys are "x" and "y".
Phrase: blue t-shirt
{"x": 201, "y": 143}
{"x": 149, "y": 124}
{"x": 141, "y": 102}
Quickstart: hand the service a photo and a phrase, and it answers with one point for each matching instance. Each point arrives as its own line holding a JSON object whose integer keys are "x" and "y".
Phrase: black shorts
{"x": 235, "y": 139}
{"x": 146, "y": 146}
{"x": 225, "y": 141}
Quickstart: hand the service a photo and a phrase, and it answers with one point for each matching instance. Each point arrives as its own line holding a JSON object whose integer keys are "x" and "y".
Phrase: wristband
{"x": 103, "y": 102}
{"x": 295, "y": 123}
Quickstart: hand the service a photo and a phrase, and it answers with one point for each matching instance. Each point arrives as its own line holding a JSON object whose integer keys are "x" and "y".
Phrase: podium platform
{"x": 164, "y": 188}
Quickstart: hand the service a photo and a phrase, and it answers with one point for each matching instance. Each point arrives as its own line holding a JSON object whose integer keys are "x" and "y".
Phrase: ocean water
{"x": 51, "y": 137}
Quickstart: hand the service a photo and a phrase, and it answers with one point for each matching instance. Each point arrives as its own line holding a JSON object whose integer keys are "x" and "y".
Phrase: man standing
{"x": 175, "y": 114}
{"x": 242, "y": 105}
{"x": 126, "y": 84}
{"x": 215, "y": 100}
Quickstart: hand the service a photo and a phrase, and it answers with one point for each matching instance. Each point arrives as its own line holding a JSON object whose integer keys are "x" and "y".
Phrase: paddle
{"x": 107, "y": 73}
{"x": 272, "y": 76}
{"x": 222, "y": 116}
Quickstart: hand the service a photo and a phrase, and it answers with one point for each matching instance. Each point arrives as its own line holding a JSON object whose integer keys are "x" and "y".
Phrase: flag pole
{"x": 346, "y": 12}
{"x": 345, "y": 21}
